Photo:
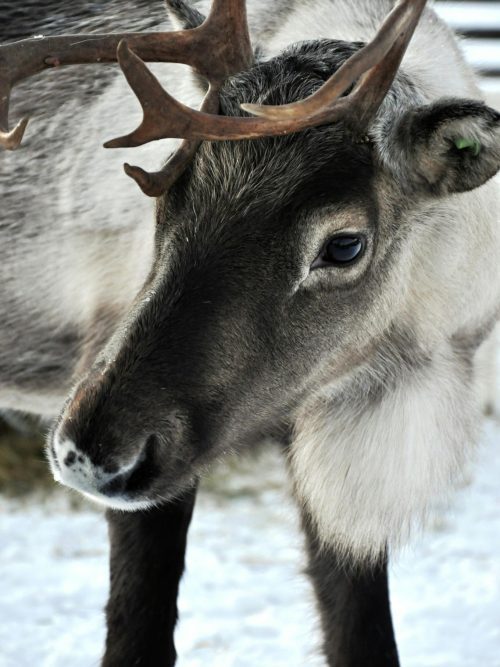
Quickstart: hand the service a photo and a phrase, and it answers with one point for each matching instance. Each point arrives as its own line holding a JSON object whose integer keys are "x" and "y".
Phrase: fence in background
{"x": 479, "y": 22}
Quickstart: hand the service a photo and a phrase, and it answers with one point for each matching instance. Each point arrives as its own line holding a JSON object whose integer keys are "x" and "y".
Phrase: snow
{"x": 244, "y": 600}
{"x": 446, "y": 589}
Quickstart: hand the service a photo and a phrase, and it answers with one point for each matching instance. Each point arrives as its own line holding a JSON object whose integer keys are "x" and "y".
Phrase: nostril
{"x": 146, "y": 468}
{"x": 138, "y": 476}
{"x": 115, "y": 486}
{"x": 111, "y": 468}
{"x": 70, "y": 458}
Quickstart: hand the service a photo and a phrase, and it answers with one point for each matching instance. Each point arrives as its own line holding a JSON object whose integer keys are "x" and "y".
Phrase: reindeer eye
{"x": 340, "y": 251}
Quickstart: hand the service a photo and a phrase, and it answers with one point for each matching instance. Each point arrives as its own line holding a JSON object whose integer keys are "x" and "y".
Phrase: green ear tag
{"x": 468, "y": 144}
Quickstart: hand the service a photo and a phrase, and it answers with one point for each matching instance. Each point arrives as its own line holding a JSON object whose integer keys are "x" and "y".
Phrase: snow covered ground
{"x": 244, "y": 601}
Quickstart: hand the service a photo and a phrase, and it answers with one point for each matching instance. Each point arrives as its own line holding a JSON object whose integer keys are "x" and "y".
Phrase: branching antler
{"x": 217, "y": 49}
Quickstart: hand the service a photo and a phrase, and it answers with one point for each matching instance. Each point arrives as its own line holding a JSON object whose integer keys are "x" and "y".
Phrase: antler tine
{"x": 164, "y": 116}
{"x": 227, "y": 30}
{"x": 28, "y": 57}
{"x": 216, "y": 49}
{"x": 11, "y": 140}
{"x": 380, "y": 59}
{"x": 373, "y": 86}
{"x": 156, "y": 183}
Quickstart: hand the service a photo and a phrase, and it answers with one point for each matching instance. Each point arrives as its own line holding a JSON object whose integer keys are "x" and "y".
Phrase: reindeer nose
{"x": 106, "y": 483}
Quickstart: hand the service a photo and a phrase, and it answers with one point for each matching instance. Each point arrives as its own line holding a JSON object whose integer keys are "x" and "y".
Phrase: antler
{"x": 378, "y": 61}
{"x": 219, "y": 48}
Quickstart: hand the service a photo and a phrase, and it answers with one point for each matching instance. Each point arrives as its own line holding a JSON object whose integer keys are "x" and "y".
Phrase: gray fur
{"x": 232, "y": 333}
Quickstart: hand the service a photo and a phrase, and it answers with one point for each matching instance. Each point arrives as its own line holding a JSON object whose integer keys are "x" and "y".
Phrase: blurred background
{"x": 245, "y": 600}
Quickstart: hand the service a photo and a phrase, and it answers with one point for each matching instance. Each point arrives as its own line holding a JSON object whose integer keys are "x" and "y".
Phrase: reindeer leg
{"x": 147, "y": 562}
{"x": 354, "y": 607}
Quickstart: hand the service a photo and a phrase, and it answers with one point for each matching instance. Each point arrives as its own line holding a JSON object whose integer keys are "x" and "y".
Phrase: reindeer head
{"x": 282, "y": 259}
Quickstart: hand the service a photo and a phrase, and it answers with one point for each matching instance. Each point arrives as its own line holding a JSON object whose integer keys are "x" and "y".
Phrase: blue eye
{"x": 341, "y": 250}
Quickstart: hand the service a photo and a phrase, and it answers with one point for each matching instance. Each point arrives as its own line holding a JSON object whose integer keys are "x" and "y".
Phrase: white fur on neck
{"x": 369, "y": 476}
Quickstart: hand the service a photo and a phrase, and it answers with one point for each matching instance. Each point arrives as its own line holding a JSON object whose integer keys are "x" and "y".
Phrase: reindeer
{"x": 322, "y": 269}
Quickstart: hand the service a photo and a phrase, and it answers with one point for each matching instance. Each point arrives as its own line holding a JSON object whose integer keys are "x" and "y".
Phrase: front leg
{"x": 147, "y": 562}
{"x": 354, "y": 607}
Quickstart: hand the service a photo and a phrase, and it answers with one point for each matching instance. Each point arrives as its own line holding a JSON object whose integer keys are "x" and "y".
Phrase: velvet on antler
{"x": 217, "y": 49}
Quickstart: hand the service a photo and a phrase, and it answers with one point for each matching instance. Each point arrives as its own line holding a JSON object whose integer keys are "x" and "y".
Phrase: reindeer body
{"x": 387, "y": 414}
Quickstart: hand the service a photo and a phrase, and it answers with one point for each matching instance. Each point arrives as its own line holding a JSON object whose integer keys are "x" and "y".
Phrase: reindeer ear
{"x": 183, "y": 15}
{"x": 450, "y": 146}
